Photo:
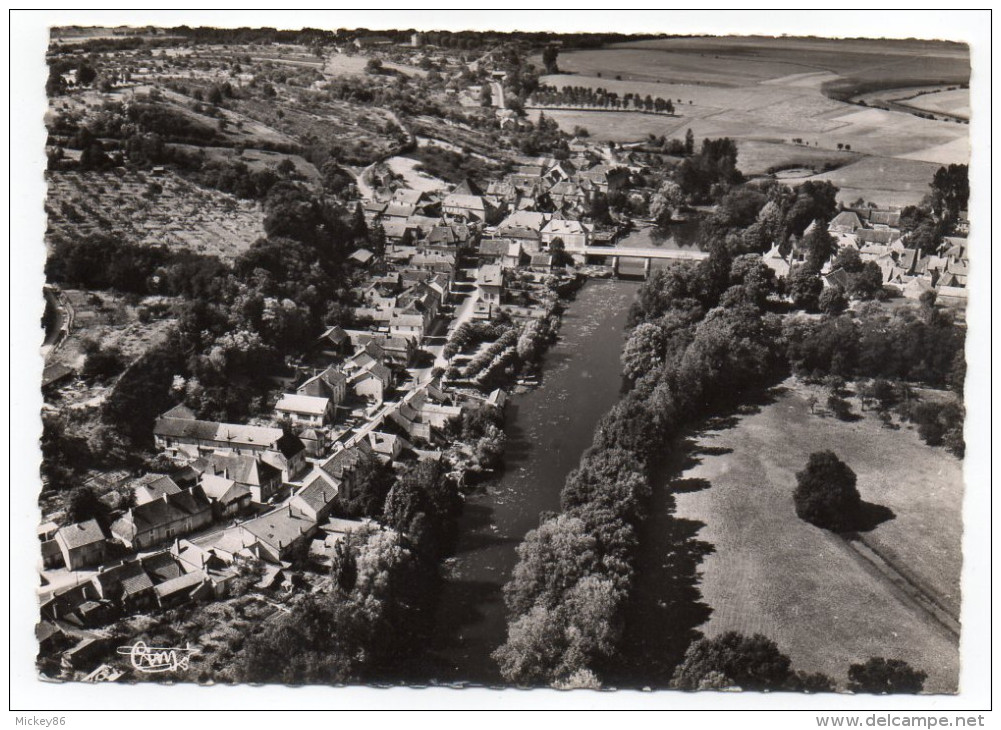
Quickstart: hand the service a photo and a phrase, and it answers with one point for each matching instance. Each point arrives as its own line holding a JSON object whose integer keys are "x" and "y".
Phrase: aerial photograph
{"x": 505, "y": 359}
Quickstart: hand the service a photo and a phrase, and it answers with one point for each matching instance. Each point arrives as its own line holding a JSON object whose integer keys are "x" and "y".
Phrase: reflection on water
{"x": 547, "y": 428}
{"x": 682, "y": 235}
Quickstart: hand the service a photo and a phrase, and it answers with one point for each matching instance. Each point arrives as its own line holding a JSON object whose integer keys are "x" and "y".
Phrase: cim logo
{"x": 153, "y": 659}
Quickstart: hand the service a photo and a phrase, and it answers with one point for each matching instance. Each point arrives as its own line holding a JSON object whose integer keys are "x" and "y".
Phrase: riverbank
{"x": 547, "y": 428}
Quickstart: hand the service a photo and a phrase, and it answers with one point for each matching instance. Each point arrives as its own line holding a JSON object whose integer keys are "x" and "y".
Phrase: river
{"x": 548, "y": 428}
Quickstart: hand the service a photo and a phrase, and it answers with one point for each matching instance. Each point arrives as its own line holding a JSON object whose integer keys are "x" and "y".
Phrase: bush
{"x": 832, "y": 301}
{"x": 885, "y": 676}
{"x": 825, "y": 493}
{"x": 840, "y": 407}
{"x": 103, "y": 364}
{"x": 733, "y": 660}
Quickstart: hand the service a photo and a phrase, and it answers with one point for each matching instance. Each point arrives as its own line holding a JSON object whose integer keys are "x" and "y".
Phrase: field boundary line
{"x": 901, "y": 580}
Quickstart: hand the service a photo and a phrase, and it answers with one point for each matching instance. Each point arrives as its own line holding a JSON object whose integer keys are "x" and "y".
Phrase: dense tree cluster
{"x": 707, "y": 175}
{"x": 368, "y": 629}
{"x": 751, "y": 219}
{"x": 917, "y": 343}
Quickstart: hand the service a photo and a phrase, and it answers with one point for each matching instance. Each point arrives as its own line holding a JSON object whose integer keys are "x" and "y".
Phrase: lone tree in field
{"x": 825, "y": 493}
{"x": 885, "y": 676}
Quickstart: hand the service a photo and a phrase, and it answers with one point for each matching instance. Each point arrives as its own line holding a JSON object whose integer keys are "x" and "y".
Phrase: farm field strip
{"x": 757, "y": 89}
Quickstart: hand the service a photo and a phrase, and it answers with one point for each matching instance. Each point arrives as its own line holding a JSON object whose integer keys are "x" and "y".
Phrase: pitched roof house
{"x": 305, "y": 409}
{"x": 173, "y": 515}
{"x": 280, "y": 532}
{"x": 316, "y": 499}
{"x": 227, "y": 498}
{"x": 82, "y": 544}
{"x": 189, "y": 439}
{"x": 262, "y": 479}
{"x": 153, "y": 486}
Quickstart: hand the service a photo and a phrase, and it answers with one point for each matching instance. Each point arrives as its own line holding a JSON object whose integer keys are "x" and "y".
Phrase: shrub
{"x": 840, "y": 407}
{"x": 885, "y": 676}
{"x": 733, "y": 660}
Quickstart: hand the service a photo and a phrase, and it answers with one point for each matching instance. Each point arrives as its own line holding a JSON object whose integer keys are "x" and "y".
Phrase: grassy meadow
{"x": 845, "y": 609}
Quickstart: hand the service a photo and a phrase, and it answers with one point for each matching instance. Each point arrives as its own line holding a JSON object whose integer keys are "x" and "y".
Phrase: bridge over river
{"x": 646, "y": 255}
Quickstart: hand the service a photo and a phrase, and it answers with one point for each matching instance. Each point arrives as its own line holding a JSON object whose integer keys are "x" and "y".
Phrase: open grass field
{"x": 895, "y": 182}
{"x": 810, "y": 590}
{"x": 947, "y": 101}
{"x": 765, "y": 92}
{"x": 127, "y": 203}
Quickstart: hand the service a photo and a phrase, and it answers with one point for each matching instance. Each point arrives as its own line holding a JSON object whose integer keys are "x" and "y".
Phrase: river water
{"x": 548, "y": 428}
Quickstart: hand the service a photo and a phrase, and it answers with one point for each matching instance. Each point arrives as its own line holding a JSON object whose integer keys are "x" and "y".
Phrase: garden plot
{"x": 148, "y": 209}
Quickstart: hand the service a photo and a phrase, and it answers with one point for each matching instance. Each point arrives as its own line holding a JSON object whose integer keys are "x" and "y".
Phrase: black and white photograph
{"x": 399, "y": 352}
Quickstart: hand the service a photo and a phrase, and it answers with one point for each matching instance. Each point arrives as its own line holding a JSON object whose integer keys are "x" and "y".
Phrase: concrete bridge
{"x": 646, "y": 255}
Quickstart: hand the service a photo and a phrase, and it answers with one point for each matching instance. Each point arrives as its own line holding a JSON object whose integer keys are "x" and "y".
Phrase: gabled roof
{"x": 397, "y": 210}
{"x": 845, "y": 220}
{"x": 336, "y": 335}
{"x": 564, "y": 227}
{"x": 467, "y": 187}
{"x": 244, "y": 469}
{"x": 407, "y": 196}
{"x": 376, "y": 370}
{"x": 228, "y": 433}
{"x": 908, "y": 258}
{"x": 838, "y": 277}
{"x": 223, "y": 490}
{"x": 154, "y": 486}
{"x": 318, "y": 494}
{"x": 877, "y": 235}
{"x": 289, "y": 445}
{"x": 181, "y": 584}
{"x": 55, "y": 372}
{"x": 343, "y": 462}
{"x": 362, "y": 256}
{"x": 405, "y": 319}
{"x": 524, "y": 234}
{"x": 308, "y": 404}
{"x": 525, "y": 219}
{"x": 397, "y": 228}
{"x": 493, "y": 246}
{"x": 885, "y": 217}
{"x": 279, "y": 528}
{"x": 161, "y": 566}
{"x": 137, "y": 583}
{"x": 80, "y": 534}
{"x": 466, "y": 202}
{"x": 490, "y": 276}
{"x": 180, "y": 411}
{"x": 164, "y": 511}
